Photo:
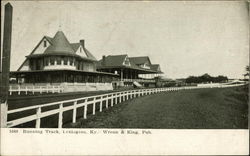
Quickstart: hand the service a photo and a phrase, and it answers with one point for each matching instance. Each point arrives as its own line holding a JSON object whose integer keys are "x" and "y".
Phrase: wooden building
{"x": 56, "y": 60}
{"x": 130, "y": 69}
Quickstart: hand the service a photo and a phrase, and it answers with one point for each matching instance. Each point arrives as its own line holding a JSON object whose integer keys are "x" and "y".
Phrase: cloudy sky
{"x": 185, "y": 38}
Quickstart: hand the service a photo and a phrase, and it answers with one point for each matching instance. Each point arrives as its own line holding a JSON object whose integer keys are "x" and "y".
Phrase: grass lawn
{"x": 217, "y": 108}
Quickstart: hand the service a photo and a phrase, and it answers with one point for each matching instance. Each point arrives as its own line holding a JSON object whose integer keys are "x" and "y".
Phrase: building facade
{"x": 56, "y": 60}
{"x": 130, "y": 69}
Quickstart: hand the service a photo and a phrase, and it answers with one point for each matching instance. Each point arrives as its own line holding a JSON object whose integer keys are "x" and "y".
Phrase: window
{"x": 126, "y": 62}
{"x": 46, "y": 61}
{"x": 65, "y": 60}
{"x": 58, "y": 61}
{"x": 52, "y": 61}
{"x": 71, "y": 61}
{"x": 44, "y": 44}
{"x": 80, "y": 49}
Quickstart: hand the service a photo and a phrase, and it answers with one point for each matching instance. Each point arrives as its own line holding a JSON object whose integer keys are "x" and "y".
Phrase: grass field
{"x": 217, "y": 108}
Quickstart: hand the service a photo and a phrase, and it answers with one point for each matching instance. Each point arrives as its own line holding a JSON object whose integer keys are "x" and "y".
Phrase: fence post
{"x": 101, "y": 104}
{"x": 33, "y": 88}
{"x": 112, "y": 100}
{"x": 107, "y": 102}
{"x": 120, "y": 97}
{"x": 74, "y": 112}
{"x": 94, "y": 105}
{"x": 47, "y": 89}
{"x": 60, "y": 119}
{"x": 52, "y": 89}
{"x": 116, "y": 98}
{"x": 38, "y": 119}
{"x": 85, "y": 109}
{"x": 40, "y": 89}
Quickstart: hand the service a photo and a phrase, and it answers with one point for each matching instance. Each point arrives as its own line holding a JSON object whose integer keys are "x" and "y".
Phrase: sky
{"x": 185, "y": 38}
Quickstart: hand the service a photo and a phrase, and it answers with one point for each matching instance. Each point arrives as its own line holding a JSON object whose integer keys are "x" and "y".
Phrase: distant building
{"x": 130, "y": 69}
{"x": 56, "y": 60}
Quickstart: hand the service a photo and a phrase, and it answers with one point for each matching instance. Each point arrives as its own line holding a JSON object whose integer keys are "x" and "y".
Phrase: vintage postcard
{"x": 124, "y": 77}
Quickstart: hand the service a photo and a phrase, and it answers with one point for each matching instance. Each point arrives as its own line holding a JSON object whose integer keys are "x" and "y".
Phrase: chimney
{"x": 103, "y": 60}
{"x": 82, "y": 43}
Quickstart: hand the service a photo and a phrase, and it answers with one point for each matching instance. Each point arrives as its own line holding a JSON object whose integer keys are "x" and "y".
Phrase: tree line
{"x": 206, "y": 78}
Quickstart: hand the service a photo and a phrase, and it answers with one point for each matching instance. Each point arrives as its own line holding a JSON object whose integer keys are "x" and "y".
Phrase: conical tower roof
{"x": 60, "y": 44}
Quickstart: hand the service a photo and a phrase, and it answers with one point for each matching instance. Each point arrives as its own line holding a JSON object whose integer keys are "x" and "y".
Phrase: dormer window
{"x": 126, "y": 62}
{"x": 80, "y": 49}
{"x": 44, "y": 44}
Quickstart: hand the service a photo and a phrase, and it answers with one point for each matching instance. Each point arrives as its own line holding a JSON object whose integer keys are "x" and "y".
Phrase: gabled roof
{"x": 154, "y": 67}
{"x": 75, "y": 47}
{"x": 49, "y": 39}
{"x": 116, "y": 61}
{"x": 60, "y": 44}
{"x": 140, "y": 60}
{"x": 112, "y": 60}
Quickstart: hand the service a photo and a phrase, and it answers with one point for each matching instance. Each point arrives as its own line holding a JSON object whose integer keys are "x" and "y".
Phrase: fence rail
{"x": 115, "y": 97}
{"x": 34, "y": 89}
{"x": 138, "y": 80}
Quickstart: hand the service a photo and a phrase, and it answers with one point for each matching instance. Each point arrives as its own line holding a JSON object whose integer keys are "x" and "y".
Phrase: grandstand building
{"x": 130, "y": 69}
{"x": 57, "y": 61}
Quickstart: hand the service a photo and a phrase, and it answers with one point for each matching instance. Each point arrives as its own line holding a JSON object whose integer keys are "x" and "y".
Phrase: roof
{"x": 112, "y": 60}
{"x": 75, "y": 46}
{"x": 63, "y": 70}
{"x": 116, "y": 61}
{"x": 156, "y": 67}
{"x": 60, "y": 44}
{"x": 140, "y": 60}
{"x": 49, "y": 39}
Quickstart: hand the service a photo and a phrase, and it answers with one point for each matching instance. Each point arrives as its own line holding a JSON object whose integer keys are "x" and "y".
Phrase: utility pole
{"x": 5, "y": 63}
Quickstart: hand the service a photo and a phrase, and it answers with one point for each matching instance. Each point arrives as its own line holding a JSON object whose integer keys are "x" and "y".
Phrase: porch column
{"x": 62, "y": 61}
{"x": 121, "y": 74}
{"x": 68, "y": 62}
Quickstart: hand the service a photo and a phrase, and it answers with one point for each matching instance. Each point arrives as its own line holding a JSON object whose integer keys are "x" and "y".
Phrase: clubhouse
{"x": 57, "y": 61}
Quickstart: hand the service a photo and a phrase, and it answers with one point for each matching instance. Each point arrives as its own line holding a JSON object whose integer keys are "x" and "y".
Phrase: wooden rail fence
{"x": 34, "y": 89}
{"x": 115, "y": 98}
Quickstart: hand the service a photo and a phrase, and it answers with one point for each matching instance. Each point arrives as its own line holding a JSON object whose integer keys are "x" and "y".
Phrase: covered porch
{"x": 61, "y": 76}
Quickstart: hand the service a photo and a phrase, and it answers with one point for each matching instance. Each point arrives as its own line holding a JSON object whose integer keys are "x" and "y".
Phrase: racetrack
{"x": 216, "y": 108}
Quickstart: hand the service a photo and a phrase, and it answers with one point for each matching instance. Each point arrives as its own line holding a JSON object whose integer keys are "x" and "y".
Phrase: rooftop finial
{"x": 60, "y": 27}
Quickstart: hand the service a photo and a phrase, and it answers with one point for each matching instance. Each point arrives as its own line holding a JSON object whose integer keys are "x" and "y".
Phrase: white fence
{"x": 77, "y": 87}
{"x": 35, "y": 89}
{"x": 115, "y": 97}
{"x": 58, "y": 88}
{"x": 138, "y": 80}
